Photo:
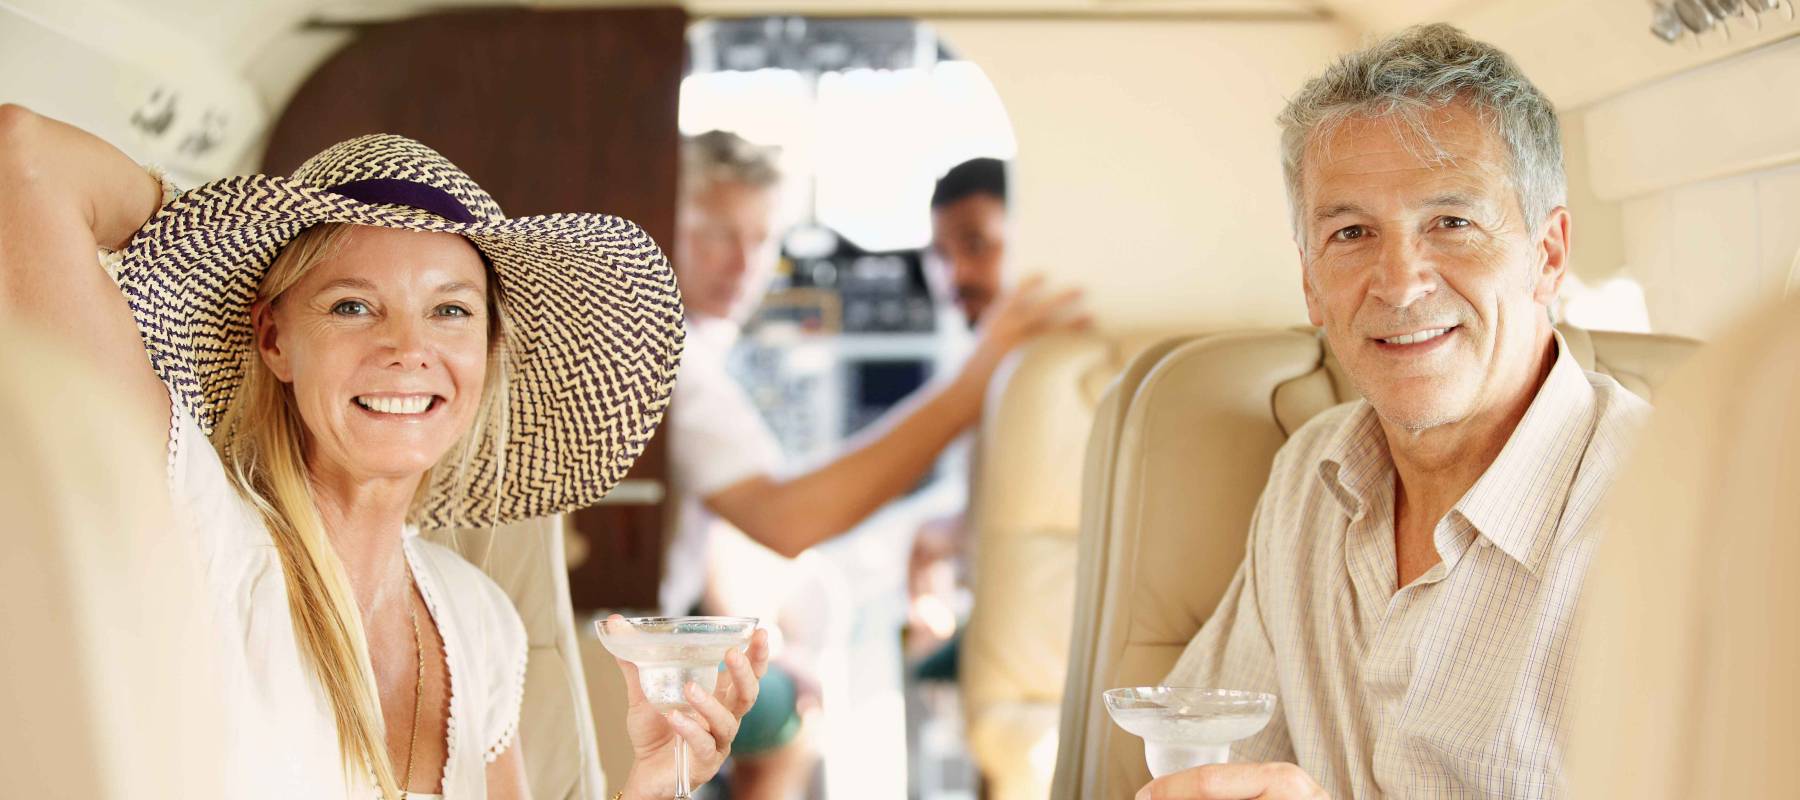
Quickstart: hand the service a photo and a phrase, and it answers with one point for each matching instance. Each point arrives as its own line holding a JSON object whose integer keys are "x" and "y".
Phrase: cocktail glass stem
{"x": 682, "y": 790}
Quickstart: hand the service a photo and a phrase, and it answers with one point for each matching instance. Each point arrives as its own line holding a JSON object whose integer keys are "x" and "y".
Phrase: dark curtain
{"x": 549, "y": 111}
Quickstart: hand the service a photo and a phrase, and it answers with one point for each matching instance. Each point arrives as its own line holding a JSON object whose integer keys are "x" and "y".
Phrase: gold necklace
{"x": 418, "y": 691}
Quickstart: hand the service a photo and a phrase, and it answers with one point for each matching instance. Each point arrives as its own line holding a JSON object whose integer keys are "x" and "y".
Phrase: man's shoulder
{"x": 1615, "y": 403}
{"x": 1295, "y": 470}
{"x": 1310, "y": 443}
{"x": 1619, "y": 415}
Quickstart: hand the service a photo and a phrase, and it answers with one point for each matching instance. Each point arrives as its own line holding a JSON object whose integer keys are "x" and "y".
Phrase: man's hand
{"x": 1273, "y": 781}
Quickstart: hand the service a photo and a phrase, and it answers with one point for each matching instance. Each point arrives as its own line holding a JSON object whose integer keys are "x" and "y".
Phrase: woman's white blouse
{"x": 284, "y": 738}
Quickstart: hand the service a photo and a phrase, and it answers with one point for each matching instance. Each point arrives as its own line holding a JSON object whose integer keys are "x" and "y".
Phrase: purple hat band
{"x": 393, "y": 191}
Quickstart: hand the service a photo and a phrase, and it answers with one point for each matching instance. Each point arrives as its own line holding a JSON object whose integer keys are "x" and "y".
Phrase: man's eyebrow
{"x": 1337, "y": 210}
{"x": 1451, "y": 199}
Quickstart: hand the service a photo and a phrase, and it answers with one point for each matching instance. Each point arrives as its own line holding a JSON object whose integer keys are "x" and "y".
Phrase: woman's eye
{"x": 1351, "y": 233}
{"x": 453, "y": 310}
{"x": 1453, "y": 222}
{"x": 350, "y": 308}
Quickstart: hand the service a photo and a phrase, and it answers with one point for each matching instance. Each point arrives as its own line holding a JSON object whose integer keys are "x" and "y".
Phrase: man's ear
{"x": 1553, "y": 256}
{"x": 268, "y": 341}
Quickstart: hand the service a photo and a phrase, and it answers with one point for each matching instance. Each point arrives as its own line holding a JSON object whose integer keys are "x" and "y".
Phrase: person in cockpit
{"x": 339, "y": 357}
{"x": 724, "y": 461}
{"x": 1409, "y": 584}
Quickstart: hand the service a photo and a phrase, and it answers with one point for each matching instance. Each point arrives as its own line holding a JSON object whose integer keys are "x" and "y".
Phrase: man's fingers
{"x": 1274, "y": 781}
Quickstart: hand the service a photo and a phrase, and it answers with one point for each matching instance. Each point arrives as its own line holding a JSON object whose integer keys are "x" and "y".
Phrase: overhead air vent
{"x": 1673, "y": 19}
{"x": 132, "y": 81}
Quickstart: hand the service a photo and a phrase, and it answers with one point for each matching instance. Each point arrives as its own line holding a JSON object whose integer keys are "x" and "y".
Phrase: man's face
{"x": 970, "y": 236}
{"x": 1430, "y": 285}
{"x": 725, "y": 249}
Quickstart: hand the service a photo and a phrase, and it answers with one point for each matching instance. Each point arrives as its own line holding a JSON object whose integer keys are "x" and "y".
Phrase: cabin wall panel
{"x": 1596, "y": 228}
{"x": 1701, "y": 169}
{"x": 1730, "y": 118}
{"x": 1148, "y": 170}
{"x": 1713, "y": 253}
{"x": 1650, "y": 257}
{"x": 1778, "y": 206}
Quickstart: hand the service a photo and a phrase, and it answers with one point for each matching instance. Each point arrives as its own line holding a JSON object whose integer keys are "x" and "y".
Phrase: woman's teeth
{"x": 415, "y": 404}
{"x": 1415, "y": 338}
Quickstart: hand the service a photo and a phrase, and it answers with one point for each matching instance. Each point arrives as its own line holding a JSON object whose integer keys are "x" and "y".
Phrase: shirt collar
{"x": 1517, "y": 503}
{"x": 1356, "y": 459}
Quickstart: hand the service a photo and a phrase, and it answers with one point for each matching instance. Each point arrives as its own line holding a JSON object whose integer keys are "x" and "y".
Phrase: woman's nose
{"x": 407, "y": 343}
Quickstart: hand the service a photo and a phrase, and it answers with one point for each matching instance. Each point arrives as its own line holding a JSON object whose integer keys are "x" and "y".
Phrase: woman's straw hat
{"x": 596, "y": 312}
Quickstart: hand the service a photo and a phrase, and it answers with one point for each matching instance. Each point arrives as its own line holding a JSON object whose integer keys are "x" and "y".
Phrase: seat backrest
{"x": 1685, "y": 681}
{"x": 1167, "y": 505}
{"x": 105, "y": 643}
{"x": 562, "y": 759}
{"x": 1023, "y": 520}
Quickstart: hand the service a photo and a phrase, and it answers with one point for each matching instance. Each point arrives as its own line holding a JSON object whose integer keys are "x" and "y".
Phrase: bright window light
{"x": 861, "y": 148}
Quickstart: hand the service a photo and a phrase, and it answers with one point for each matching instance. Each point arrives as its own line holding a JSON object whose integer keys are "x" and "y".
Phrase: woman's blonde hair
{"x": 261, "y": 438}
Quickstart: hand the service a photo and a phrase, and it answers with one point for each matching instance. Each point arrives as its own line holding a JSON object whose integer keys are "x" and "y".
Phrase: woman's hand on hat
{"x": 708, "y": 731}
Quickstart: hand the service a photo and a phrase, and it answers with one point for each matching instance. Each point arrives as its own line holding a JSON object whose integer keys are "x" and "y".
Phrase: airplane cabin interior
{"x": 1050, "y": 385}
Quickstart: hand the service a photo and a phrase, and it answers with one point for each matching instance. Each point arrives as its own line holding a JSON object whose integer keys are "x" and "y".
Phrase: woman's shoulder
{"x": 207, "y": 500}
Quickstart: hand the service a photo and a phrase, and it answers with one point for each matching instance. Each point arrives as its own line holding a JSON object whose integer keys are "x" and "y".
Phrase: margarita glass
{"x": 1183, "y": 727}
{"x": 670, "y": 653}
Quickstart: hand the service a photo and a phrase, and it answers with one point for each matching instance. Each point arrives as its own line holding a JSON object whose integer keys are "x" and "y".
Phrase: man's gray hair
{"x": 1419, "y": 70}
{"x": 724, "y": 157}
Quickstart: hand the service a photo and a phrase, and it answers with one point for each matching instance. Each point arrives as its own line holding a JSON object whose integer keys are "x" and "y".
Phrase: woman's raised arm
{"x": 64, "y": 193}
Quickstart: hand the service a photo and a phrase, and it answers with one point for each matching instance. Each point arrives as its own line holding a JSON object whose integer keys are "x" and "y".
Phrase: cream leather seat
{"x": 1686, "y": 680}
{"x": 1024, "y": 514}
{"x": 1170, "y": 487}
{"x": 110, "y": 691}
{"x": 562, "y": 759}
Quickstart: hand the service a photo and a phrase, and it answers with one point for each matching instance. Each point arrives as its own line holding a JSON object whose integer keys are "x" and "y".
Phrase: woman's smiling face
{"x": 384, "y": 345}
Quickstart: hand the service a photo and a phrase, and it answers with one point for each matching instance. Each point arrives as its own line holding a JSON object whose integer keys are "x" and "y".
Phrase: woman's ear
{"x": 268, "y": 341}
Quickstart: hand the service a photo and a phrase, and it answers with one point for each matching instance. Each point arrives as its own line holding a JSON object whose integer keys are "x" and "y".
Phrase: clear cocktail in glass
{"x": 670, "y": 653}
{"x": 1185, "y": 727}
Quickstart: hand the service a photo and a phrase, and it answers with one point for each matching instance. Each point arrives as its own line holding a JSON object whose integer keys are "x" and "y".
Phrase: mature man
{"x": 725, "y": 462}
{"x": 1411, "y": 571}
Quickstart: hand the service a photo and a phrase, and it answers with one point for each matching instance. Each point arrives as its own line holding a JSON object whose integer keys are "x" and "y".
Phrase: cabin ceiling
{"x": 1578, "y": 50}
{"x": 1369, "y": 14}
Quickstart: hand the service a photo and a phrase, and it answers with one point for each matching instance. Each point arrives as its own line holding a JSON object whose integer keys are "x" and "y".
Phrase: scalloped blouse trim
{"x": 444, "y": 633}
{"x": 517, "y": 709}
{"x": 176, "y": 415}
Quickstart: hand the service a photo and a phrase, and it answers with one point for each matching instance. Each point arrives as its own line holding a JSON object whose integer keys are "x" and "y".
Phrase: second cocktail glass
{"x": 1184, "y": 728}
{"x": 670, "y": 653}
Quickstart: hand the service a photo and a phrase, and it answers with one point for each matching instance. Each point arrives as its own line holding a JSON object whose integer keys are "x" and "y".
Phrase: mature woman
{"x": 344, "y": 355}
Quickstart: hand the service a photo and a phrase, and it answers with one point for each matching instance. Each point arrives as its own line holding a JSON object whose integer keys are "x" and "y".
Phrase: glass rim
{"x": 671, "y": 624}
{"x": 1224, "y": 697}
{"x": 696, "y": 618}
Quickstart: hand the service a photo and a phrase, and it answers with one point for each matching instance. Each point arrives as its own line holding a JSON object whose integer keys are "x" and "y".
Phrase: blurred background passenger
{"x": 968, "y": 255}
{"x": 725, "y": 463}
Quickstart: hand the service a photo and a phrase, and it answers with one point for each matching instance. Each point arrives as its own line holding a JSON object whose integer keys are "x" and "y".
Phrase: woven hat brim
{"x": 596, "y": 311}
